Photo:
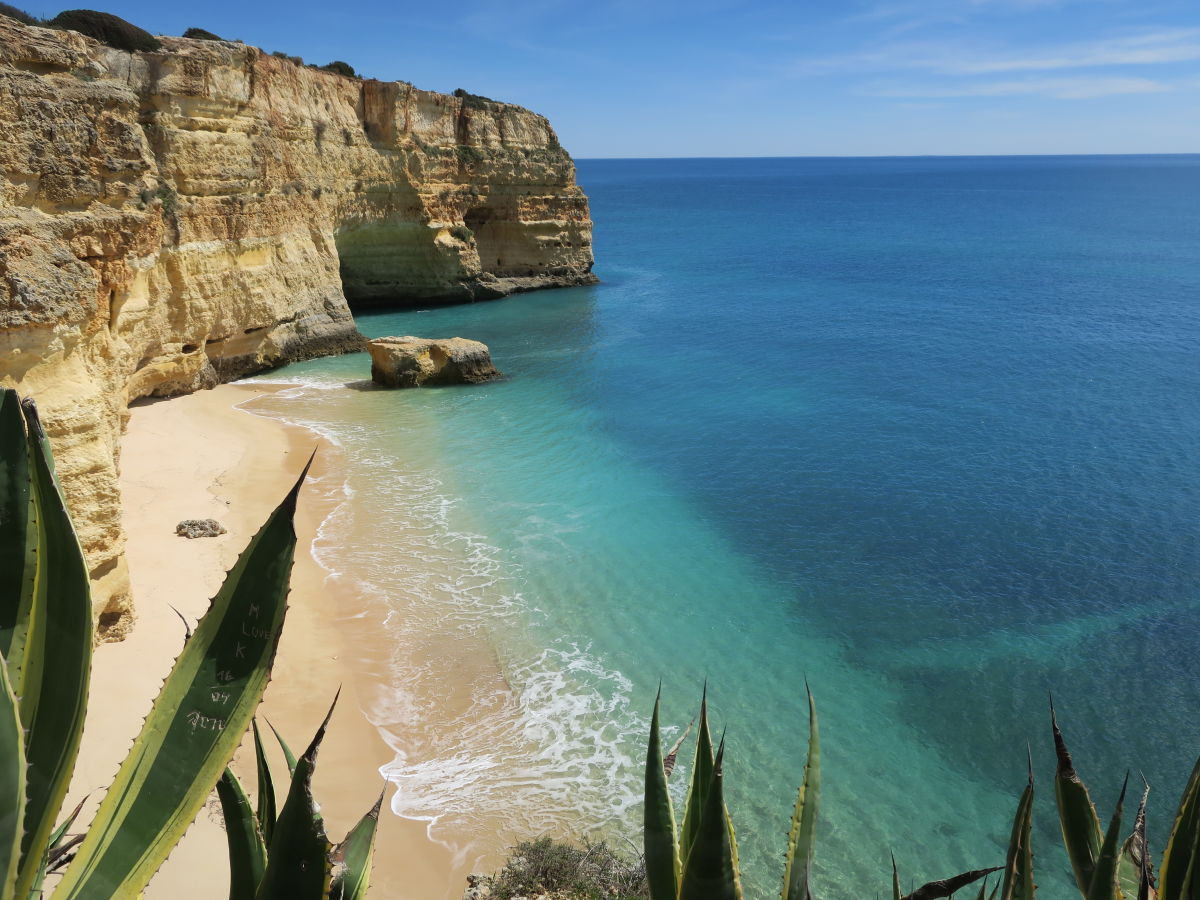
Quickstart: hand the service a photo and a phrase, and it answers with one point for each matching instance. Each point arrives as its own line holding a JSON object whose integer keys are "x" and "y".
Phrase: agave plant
{"x": 45, "y": 608}
{"x": 289, "y": 855}
{"x": 193, "y": 729}
{"x": 700, "y": 861}
{"x": 1018, "y": 881}
{"x": 1107, "y": 868}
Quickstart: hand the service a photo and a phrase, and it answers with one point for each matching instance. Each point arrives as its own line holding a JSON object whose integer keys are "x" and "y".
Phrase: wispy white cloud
{"x": 973, "y": 58}
{"x": 1174, "y": 45}
{"x": 900, "y": 16}
{"x": 883, "y": 10}
{"x": 891, "y": 13}
{"x": 1058, "y": 88}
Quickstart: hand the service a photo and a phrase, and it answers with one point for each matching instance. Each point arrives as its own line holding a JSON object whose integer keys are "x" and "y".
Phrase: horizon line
{"x": 897, "y": 156}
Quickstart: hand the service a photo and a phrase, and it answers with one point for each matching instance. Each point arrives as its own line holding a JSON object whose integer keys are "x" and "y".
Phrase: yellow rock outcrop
{"x": 174, "y": 219}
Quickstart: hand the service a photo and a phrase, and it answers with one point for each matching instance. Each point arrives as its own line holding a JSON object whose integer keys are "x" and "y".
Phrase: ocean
{"x": 921, "y": 432}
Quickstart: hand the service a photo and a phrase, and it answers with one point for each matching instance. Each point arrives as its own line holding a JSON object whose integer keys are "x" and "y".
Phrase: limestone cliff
{"x": 173, "y": 219}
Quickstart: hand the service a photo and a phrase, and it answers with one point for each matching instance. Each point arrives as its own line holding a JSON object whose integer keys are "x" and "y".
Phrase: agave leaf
{"x": 1146, "y": 889}
{"x": 196, "y": 723}
{"x": 53, "y": 696}
{"x": 266, "y": 787}
{"x": 298, "y": 863}
{"x": 658, "y": 831}
{"x": 1191, "y": 879}
{"x": 982, "y": 891}
{"x": 1076, "y": 813}
{"x": 287, "y": 751}
{"x": 1135, "y": 856}
{"x": 247, "y": 852}
{"x": 896, "y": 893}
{"x": 947, "y": 887}
{"x": 803, "y": 832}
{"x": 702, "y": 776}
{"x": 1018, "y": 870}
{"x": 18, "y": 536}
{"x": 57, "y": 857}
{"x": 12, "y": 784}
{"x": 733, "y": 847}
{"x": 187, "y": 628}
{"x": 710, "y": 871}
{"x": 61, "y": 831}
{"x": 1183, "y": 845}
{"x": 1104, "y": 880}
{"x": 352, "y": 857}
{"x": 60, "y": 846}
{"x": 673, "y": 753}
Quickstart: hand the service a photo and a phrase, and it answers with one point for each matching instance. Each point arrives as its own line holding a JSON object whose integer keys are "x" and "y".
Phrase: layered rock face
{"x": 174, "y": 219}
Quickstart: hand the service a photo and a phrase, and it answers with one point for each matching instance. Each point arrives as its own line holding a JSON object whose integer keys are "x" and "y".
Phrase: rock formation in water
{"x": 173, "y": 219}
{"x": 413, "y": 361}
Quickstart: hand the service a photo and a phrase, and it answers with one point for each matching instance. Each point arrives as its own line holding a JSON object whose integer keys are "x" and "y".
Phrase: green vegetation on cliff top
{"x": 123, "y": 35}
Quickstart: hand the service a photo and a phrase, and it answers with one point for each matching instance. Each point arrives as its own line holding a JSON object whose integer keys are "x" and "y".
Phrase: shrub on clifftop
{"x": 340, "y": 68}
{"x": 19, "y": 14}
{"x": 107, "y": 29}
{"x": 590, "y": 872}
{"x": 295, "y": 60}
{"x": 470, "y": 99}
{"x": 200, "y": 34}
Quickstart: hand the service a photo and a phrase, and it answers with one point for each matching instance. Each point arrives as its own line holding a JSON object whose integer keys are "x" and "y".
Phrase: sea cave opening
{"x": 390, "y": 260}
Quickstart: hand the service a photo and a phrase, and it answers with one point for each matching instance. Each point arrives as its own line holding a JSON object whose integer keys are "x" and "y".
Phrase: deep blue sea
{"x": 922, "y": 431}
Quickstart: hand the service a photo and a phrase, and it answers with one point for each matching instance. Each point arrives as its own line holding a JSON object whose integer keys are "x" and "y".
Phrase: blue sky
{"x": 623, "y": 78}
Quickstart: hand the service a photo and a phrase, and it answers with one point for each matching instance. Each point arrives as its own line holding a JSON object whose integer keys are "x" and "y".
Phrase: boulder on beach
{"x": 197, "y": 528}
{"x": 413, "y": 361}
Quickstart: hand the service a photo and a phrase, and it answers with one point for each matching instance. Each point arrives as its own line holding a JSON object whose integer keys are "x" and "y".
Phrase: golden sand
{"x": 199, "y": 457}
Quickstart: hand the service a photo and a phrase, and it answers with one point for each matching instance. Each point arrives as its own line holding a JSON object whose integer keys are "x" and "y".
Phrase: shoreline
{"x": 202, "y": 456}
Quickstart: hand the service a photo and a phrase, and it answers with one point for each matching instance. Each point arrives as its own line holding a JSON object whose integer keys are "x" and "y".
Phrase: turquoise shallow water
{"x": 920, "y": 430}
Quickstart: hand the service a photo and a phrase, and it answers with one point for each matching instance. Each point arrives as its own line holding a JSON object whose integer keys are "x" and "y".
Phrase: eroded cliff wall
{"x": 173, "y": 219}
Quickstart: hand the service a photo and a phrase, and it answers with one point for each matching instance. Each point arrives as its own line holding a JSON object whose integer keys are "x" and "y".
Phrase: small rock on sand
{"x": 196, "y": 528}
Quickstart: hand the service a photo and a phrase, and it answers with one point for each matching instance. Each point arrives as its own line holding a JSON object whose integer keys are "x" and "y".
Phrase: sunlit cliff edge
{"x": 174, "y": 219}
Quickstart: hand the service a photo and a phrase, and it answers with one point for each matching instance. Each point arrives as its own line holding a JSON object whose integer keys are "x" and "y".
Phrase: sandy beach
{"x": 199, "y": 456}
